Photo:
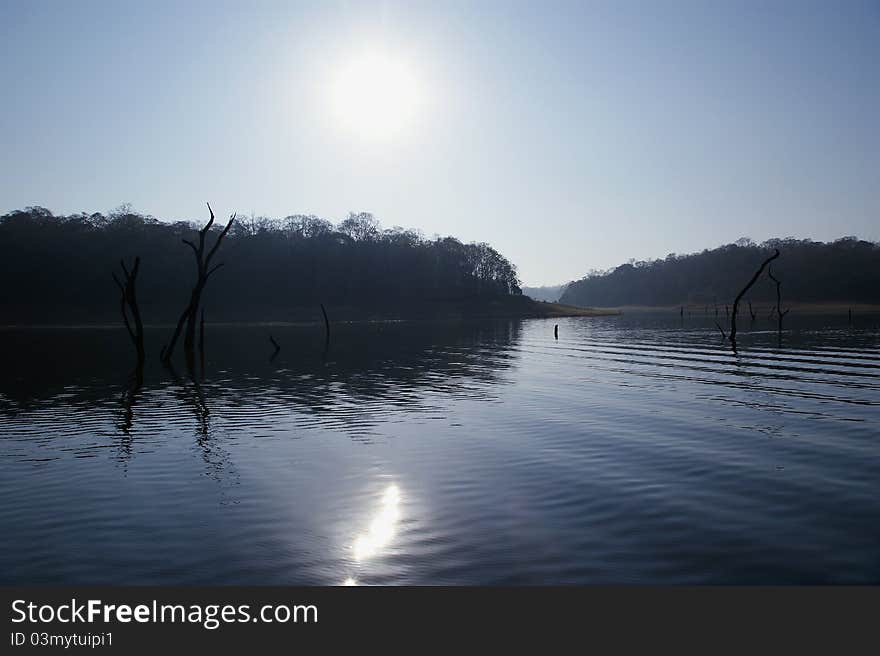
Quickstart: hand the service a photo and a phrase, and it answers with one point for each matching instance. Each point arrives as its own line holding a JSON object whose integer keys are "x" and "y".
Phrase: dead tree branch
{"x": 742, "y": 293}
{"x": 203, "y": 272}
{"x": 128, "y": 303}
{"x": 779, "y": 313}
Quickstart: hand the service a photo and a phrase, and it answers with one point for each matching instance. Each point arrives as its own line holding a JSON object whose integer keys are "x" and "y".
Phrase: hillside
{"x": 58, "y": 269}
{"x": 846, "y": 271}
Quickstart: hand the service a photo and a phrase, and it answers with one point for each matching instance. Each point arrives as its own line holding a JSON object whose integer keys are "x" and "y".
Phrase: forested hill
{"x": 59, "y": 268}
{"x": 846, "y": 270}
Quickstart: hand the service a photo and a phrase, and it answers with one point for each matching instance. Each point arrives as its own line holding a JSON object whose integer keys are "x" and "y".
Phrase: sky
{"x": 570, "y": 136}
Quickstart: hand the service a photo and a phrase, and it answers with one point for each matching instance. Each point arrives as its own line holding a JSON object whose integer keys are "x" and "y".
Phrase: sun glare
{"x": 375, "y": 95}
{"x": 382, "y": 527}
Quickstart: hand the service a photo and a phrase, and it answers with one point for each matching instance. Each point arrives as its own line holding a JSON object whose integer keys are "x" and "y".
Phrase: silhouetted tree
{"x": 203, "y": 273}
{"x": 128, "y": 303}
{"x": 360, "y": 227}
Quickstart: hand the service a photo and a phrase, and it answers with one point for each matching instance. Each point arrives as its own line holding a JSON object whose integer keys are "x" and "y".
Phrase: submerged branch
{"x": 128, "y": 303}
{"x": 780, "y": 314}
{"x": 742, "y": 293}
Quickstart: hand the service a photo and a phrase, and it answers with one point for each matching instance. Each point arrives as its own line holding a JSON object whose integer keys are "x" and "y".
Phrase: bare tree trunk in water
{"x": 779, "y": 313}
{"x": 203, "y": 273}
{"x": 743, "y": 292}
{"x": 752, "y": 312}
{"x": 128, "y": 291}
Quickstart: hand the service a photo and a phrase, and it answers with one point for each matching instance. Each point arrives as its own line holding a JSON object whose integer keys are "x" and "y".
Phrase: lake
{"x": 633, "y": 449}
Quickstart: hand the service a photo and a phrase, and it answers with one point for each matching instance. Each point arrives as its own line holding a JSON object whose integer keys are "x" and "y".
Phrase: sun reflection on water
{"x": 381, "y": 530}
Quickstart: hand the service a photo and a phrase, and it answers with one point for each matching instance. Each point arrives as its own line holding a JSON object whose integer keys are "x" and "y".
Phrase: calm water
{"x": 636, "y": 449}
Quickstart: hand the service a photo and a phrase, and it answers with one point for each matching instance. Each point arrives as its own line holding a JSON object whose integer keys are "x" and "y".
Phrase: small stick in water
{"x": 326, "y": 327}
{"x": 556, "y": 331}
{"x": 202, "y": 341}
{"x": 274, "y": 343}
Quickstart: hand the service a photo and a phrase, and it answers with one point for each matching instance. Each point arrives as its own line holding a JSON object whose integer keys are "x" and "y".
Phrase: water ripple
{"x": 630, "y": 450}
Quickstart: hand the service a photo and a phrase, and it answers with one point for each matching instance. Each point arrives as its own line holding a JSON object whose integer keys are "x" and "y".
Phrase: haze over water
{"x": 635, "y": 449}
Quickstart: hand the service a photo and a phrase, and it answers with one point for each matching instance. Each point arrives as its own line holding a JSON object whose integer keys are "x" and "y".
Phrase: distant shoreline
{"x": 834, "y": 307}
{"x": 513, "y": 307}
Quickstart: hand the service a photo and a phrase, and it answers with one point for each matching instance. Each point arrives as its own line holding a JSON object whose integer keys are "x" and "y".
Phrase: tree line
{"x": 845, "y": 270}
{"x": 58, "y": 268}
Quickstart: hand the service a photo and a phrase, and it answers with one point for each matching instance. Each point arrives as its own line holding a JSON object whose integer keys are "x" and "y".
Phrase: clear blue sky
{"x": 570, "y": 136}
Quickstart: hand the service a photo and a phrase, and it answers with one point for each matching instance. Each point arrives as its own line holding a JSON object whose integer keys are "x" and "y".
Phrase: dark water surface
{"x": 636, "y": 449}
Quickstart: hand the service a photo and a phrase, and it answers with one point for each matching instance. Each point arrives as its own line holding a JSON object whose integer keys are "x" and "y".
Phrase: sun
{"x": 376, "y": 95}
